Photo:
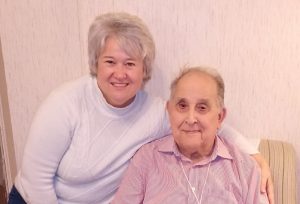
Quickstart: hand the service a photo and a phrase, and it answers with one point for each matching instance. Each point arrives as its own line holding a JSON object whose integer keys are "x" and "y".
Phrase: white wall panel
{"x": 41, "y": 49}
{"x": 255, "y": 44}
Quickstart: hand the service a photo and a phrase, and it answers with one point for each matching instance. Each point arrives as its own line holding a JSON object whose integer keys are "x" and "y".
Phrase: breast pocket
{"x": 221, "y": 196}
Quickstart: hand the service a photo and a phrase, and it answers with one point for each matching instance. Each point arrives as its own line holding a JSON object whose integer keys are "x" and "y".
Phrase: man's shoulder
{"x": 155, "y": 144}
{"x": 149, "y": 148}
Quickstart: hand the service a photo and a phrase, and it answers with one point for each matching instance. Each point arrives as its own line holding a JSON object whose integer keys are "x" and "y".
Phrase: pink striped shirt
{"x": 155, "y": 176}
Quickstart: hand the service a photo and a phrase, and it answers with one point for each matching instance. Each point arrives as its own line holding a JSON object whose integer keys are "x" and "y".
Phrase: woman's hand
{"x": 266, "y": 177}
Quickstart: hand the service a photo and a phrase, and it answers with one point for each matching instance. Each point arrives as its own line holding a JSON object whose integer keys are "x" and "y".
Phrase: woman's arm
{"x": 48, "y": 139}
{"x": 238, "y": 139}
{"x": 245, "y": 146}
{"x": 266, "y": 178}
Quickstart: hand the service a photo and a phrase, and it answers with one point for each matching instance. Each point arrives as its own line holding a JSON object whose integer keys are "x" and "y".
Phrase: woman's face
{"x": 119, "y": 76}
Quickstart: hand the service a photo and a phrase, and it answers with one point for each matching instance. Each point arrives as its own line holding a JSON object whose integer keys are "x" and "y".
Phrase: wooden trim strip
{"x": 6, "y": 139}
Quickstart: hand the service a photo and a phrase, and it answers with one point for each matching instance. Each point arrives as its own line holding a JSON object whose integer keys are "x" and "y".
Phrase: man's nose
{"x": 191, "y": 117}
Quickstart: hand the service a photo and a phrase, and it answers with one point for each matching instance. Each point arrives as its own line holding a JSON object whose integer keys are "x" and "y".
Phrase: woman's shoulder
{"x": 70, "y": 90}
{"x": 153, "y": 108}
{"x": 67, "y": 94}
{"x": 74, "y": 86}
{"x": 150, "y": 97}
{"x": 150, "y": 103}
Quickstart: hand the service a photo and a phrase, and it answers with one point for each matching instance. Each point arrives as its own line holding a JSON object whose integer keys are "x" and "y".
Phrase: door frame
{"x": 6, "y": 139}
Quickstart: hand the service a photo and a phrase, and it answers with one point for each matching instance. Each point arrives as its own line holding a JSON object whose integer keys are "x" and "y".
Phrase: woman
{"x": 85, "y": 132}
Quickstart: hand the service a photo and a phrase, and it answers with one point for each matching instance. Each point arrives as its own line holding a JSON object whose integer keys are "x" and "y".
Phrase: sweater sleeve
{"x": 238, "y": 139}
{"x": 49, "y": 138}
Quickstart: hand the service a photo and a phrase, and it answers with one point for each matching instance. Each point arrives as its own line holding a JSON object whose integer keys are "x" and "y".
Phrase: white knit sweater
{"x": 79, "y": 146}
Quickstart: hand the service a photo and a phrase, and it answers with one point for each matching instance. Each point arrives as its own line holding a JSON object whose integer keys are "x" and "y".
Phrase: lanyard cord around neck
{"x": 193, "y": 189}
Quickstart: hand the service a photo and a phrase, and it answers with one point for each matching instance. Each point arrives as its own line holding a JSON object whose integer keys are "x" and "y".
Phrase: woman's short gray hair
{"x": 131, "y": 33}
{"x": 213, "y": 73}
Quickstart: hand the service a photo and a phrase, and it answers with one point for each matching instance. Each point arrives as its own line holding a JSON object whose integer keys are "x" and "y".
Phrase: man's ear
{"x": 167, "y": 105}
{"x": 222, "y": 115}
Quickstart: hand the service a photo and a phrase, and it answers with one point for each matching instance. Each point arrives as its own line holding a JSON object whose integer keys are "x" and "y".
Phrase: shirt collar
{"x": 169, "y": 146}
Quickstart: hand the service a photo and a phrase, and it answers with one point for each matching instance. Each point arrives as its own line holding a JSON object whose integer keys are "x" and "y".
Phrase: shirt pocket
{"x": 221, "y": 196}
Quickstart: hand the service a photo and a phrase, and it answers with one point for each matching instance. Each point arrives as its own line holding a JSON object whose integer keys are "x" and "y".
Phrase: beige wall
{"x": 255, "y": 44}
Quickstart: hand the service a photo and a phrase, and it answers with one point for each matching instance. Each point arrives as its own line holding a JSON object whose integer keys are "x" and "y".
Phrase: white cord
{"x": 193, "y": 188}
{"x": 208, "y": 168}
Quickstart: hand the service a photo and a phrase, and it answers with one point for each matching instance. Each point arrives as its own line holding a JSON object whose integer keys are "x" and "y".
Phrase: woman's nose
{"x": 120, "y": 72}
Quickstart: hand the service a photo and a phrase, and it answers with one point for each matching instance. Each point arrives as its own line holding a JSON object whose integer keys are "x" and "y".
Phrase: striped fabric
{"x": 282, "y": 161}
{"x": 155, "y": 176}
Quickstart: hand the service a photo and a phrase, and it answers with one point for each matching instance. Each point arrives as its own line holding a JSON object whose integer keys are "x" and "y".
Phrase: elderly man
{"x": 194, "y": 164}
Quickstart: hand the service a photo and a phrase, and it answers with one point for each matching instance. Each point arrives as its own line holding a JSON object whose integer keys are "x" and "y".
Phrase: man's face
{"x": 194, "y": 111}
